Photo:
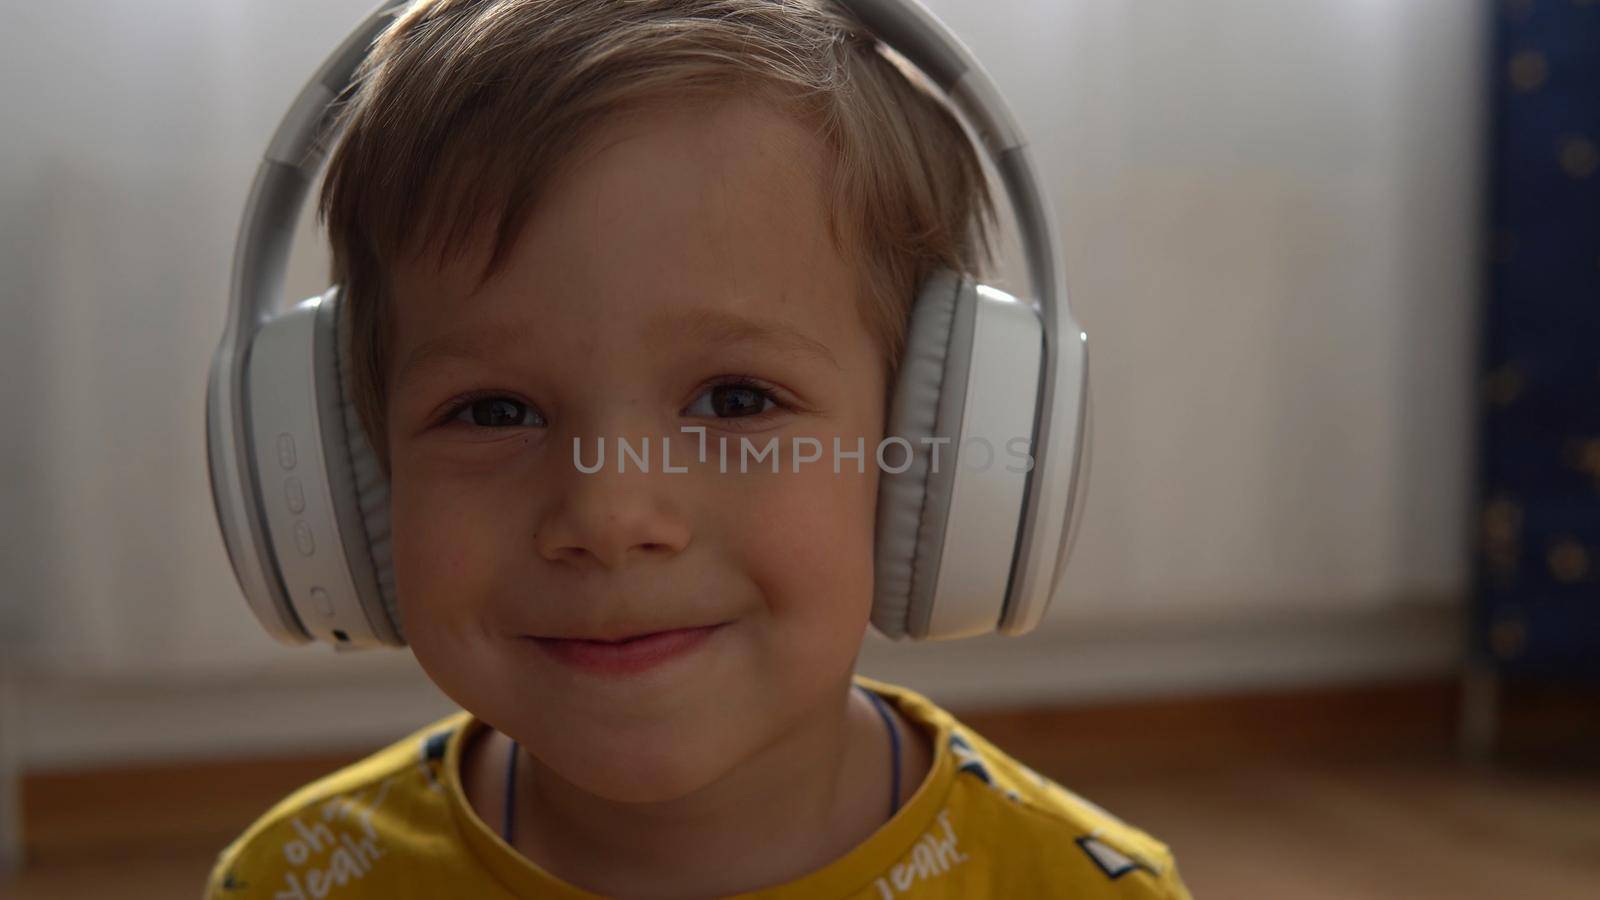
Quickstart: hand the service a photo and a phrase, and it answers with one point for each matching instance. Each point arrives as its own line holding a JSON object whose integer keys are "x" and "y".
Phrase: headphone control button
{"x": 303, "y": 538}
{"x": 323, "y": 602}
{"x": 286, "y": 457}
{"x": 295, "y": 495}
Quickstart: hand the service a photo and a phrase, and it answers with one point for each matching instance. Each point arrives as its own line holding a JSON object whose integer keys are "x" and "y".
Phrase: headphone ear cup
{"x": 925, "y": 411}
{"x": 364, "y": 485}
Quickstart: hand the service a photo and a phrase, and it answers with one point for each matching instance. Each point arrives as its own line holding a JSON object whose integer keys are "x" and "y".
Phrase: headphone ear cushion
{"x": 368, "y": 479}
{"x": 926, "y": 406}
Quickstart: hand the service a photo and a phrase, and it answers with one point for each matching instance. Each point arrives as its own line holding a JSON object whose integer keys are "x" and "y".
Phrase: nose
{"x": 607, "y": 519}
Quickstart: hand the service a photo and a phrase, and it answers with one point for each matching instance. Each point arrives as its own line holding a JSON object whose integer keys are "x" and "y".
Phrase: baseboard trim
{"x": 1108, "y": 662}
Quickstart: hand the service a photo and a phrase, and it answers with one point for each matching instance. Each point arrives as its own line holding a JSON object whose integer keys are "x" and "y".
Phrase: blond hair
{"x": 463, "y": 109}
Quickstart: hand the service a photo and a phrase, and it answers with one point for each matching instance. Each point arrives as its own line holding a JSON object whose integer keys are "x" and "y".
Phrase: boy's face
{"x": 684, "y": 249}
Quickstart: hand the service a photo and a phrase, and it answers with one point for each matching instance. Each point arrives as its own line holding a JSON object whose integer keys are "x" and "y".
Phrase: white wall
{"x": 1269, "y": 213}
{"x": 132, "y": 130}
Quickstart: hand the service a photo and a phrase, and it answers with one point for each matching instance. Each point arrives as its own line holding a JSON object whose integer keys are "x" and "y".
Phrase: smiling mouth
{"x": 629, "y": 655}
{"x": 636, "y": 636}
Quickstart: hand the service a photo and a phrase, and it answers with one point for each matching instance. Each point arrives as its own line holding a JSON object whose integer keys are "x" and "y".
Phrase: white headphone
{"x": 961, "y": 549}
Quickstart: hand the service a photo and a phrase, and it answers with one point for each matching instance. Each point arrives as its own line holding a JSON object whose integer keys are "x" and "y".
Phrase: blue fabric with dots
{"x": 1537, "y": 607}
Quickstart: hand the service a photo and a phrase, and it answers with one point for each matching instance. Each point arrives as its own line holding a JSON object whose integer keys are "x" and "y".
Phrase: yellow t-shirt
{"x": 981, "y": 825}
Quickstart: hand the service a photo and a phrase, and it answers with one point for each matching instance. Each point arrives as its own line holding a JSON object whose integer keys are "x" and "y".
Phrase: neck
{"x": 792, "y": 807}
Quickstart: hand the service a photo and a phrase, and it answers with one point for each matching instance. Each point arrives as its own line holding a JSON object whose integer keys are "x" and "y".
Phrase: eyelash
{"x": 461, "y": 402}
{"x": 761, "y": 388}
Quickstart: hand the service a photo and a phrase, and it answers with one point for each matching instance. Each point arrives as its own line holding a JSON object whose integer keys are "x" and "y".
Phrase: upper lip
{"x": 619, "y": 636}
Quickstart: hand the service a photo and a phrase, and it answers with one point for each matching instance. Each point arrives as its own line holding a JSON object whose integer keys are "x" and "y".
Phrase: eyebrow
{"x": 707, "y": 326}
{"x": 713, "y": 326}
{"x": 466, "y": 347}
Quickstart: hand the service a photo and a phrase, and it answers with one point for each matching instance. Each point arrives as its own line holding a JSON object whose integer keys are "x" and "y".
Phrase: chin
{"x": 636, "y": 769}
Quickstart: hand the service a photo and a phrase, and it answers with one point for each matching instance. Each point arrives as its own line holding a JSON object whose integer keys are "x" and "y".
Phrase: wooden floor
{"x": 1331, "y": 794}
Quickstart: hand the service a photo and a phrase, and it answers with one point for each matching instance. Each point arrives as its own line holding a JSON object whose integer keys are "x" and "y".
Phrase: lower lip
{"x": 626, "y": 657}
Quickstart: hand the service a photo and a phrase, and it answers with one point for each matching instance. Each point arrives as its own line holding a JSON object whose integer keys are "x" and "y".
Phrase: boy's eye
{"x": 732, "y": 401}
{"x": 498, "y": 412}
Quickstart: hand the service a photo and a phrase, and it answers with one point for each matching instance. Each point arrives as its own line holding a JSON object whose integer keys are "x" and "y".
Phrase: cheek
{"x": 450, "y": 538}
{"x": 807, "y": 539}
{"x": 447, "y": 539}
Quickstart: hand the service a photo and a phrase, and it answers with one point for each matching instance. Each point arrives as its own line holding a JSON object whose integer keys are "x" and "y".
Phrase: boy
{"x": 676, "y": 224}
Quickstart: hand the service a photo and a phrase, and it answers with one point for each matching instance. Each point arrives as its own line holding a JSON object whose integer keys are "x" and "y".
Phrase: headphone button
{"x": 303, "y": 538}
{"x": 295, "y": 496}
{"x": 323, "y": 602}
{"x": 286, "y": 457}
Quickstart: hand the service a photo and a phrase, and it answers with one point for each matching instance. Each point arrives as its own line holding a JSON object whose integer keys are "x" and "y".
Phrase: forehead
{"x": 694, "y": 212}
